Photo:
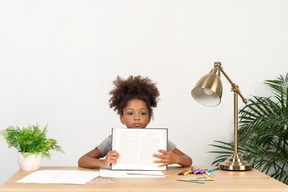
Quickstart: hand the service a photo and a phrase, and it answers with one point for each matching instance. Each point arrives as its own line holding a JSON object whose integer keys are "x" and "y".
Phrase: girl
{"x": 133, "y": 99}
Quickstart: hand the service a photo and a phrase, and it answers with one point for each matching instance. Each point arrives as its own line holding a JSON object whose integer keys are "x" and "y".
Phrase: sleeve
{"x": 105, "y": 146}
{"x": 171, "y": 146}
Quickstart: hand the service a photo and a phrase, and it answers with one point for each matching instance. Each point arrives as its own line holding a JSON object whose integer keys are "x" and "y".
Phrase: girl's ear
{"x": 122, "y": 119}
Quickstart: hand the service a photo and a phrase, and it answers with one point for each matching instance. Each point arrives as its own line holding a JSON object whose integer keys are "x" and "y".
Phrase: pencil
{"x": 149, "y": 174}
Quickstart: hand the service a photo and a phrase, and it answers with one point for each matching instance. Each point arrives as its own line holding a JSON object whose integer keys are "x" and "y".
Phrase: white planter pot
{"x": 29, "y": 162}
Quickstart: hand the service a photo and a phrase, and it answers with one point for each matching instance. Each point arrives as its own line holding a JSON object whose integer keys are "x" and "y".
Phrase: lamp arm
{"x": 235, "y": 88}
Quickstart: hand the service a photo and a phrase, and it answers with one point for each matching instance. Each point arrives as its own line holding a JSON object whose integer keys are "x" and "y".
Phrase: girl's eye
{"x": 130, "y": 113}
{"x": 143, "y": 113}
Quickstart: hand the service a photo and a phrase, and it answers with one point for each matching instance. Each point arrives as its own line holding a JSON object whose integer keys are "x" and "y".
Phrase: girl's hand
{"x": 111, "y": 157}
{"x": 167, "y": 158}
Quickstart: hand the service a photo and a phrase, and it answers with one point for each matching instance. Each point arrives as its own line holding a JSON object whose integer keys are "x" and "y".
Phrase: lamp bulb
{"x": 208, "y": 91}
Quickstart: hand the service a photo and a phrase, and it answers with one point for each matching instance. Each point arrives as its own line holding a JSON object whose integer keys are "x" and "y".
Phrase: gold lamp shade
{"x": 208, "y": 90}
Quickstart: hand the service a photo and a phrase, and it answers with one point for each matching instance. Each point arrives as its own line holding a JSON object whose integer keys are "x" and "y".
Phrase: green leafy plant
{"x": 263, "y": 134}
{"x": 31, "y": 139}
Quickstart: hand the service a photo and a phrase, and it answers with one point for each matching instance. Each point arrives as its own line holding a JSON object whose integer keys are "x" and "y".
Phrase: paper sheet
{"x": 60, "y": 177}
{"x": 131, "y": 174}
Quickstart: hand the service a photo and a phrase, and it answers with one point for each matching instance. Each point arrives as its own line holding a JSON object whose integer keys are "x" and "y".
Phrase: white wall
{"x": 58, "y": 60}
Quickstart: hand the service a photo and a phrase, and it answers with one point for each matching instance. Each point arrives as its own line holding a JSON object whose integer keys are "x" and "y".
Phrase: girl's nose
{"x": 136, "y": 117}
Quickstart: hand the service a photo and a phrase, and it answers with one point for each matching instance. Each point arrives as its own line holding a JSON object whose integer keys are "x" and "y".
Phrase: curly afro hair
{"x": 134, "y": 87}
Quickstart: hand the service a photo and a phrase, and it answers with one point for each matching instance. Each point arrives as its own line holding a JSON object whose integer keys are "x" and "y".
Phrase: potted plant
{"x": 263, "y": 133}
{"x": 31, "y": 143}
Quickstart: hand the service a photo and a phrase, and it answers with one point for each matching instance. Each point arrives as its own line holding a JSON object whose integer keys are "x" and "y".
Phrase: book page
{"x": 151, "y": 141}
{"x": 126, "y": 143}
{"x": 136, "y": 147}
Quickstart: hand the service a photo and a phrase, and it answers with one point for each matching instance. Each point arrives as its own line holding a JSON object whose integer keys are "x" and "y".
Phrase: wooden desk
{"x": 224, "y": 181}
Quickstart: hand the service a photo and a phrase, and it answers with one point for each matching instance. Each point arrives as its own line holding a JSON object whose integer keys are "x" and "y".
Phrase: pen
{"x": 213, "y": 169}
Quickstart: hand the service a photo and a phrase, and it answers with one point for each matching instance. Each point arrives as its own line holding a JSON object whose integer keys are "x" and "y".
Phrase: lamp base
{"x": 235, "y": 163}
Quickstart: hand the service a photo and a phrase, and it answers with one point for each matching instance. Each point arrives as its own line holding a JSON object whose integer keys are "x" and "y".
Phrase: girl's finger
{"x": 158, "y": 156}
{"x": 163, "y": 151}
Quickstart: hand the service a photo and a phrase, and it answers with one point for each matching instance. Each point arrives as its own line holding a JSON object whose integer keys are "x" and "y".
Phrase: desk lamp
{"x": 208, "y": 91}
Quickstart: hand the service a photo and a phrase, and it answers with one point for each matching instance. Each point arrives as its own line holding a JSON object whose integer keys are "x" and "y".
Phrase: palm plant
{"x": 263, "y": 134}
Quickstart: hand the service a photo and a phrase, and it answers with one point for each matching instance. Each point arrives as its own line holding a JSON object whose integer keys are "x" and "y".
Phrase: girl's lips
{"x": 137, "y": 125}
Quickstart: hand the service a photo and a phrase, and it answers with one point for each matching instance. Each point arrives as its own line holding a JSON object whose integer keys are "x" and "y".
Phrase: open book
{"x": 136, "y": 147}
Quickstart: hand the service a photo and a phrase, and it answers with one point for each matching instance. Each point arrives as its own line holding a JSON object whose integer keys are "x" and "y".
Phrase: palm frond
{"x": 263, "y": 133}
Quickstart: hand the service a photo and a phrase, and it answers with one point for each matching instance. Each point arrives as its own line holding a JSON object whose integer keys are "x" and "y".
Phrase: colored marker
{"x": 195, "y": 172}
{"x": 203, "y": 171}
{"x": 187, "y": 172}
{"x": 198, "y": 172}
{"x": 181, "y": 172}
{"x": 184, "y": 172}
{"x": 213, "y": 169}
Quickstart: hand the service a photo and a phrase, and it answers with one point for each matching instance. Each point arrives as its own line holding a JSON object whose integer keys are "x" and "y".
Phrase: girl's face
{"x": 135, "y": 114}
